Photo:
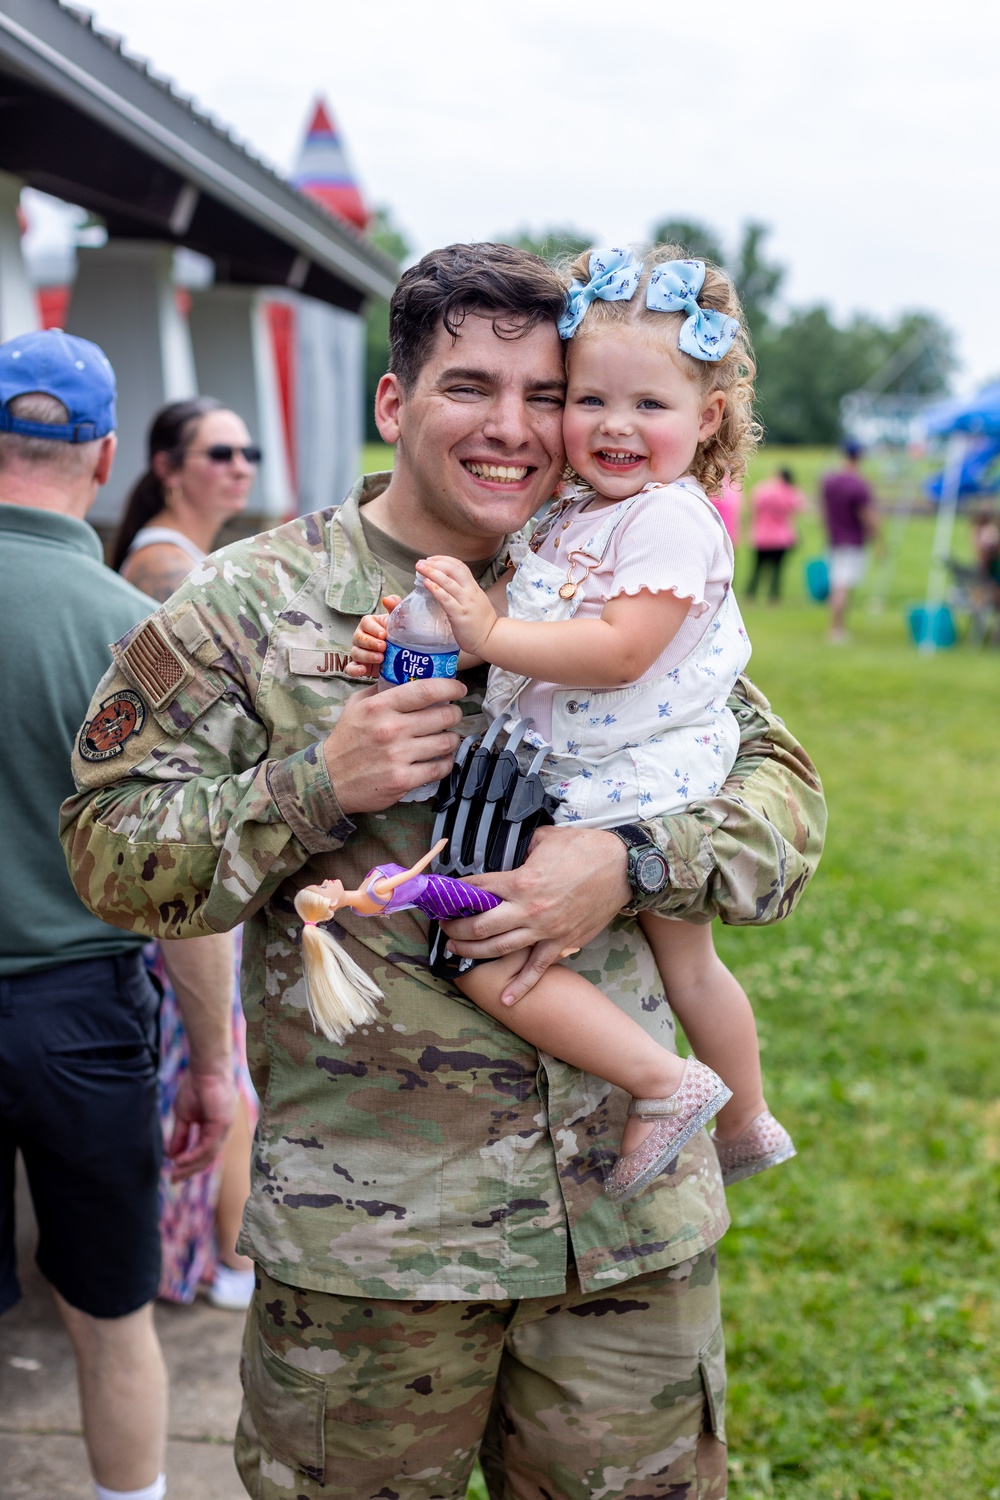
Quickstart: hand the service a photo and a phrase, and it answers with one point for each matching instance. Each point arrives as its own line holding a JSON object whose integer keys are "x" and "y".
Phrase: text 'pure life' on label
{"x": 405, "y": 663}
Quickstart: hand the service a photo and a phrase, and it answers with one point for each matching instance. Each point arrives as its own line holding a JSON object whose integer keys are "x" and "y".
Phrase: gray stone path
{"x": 41, "y": 1451}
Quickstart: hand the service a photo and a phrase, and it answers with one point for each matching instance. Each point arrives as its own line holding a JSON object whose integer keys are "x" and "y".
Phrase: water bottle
{"x": 419, "y": 643}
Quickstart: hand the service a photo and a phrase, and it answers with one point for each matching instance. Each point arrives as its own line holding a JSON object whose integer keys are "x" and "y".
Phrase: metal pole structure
{"x": 945, "y": 525}
{"x": 900, "y": 484}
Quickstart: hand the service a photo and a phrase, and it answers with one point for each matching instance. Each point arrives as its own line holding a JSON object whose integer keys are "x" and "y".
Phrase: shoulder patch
{"x": 117, "y": 720}
{"x": 154, "y": 665}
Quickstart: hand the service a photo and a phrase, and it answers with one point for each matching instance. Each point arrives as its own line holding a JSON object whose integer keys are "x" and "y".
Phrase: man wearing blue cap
{"x": 78, "y": 1050}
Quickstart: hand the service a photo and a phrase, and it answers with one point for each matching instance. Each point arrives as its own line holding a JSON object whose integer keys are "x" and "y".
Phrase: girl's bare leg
{"x": 713, "y": 1008}
{"x": 568, "y": 1016}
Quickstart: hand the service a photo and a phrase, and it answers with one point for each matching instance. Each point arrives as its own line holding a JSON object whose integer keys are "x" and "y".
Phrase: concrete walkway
{"x": 42, "y": 1455}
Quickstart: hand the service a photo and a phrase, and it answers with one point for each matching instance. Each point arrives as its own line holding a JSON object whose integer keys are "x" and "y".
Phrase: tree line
{"x": 807, "y": 359}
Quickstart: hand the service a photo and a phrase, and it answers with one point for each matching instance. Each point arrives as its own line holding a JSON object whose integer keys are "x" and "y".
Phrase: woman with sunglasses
{"x": 202, "y": 466}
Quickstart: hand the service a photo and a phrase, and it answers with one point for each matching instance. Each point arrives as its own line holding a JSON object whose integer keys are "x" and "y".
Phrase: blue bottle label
{"x": 404, "y": 663}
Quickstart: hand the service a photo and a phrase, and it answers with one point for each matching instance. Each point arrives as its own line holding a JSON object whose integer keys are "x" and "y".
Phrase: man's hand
{"x": 203, "y": 1112}
{"x": 470, "y": 613}
{"x": 569, "y": 888}
{"x": 387, "y": 744}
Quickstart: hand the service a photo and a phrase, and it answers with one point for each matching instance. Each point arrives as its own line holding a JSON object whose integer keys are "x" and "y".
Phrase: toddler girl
{"x": 619, "y": 636}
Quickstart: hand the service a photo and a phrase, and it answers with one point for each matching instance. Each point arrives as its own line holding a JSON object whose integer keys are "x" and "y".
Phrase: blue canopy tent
{"x": 966, "y": 424}
{"x": 978, "y": 414}
{"x": 980, "y": 475}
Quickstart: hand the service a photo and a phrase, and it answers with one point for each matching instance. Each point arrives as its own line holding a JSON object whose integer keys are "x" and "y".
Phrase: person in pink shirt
{"x": 728, "y": 502}
{"x": 773, "y": 504}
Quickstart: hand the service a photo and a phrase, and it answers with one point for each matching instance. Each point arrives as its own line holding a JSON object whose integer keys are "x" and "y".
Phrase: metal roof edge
{"x": 362, "y": 265}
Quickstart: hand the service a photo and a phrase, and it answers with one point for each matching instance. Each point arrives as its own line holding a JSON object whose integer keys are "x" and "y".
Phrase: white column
{"x": 234, "y": 361}
{"x": 18, "y": 308}
{"x": 124, "y": 299}
{"x": 329, "y": 391}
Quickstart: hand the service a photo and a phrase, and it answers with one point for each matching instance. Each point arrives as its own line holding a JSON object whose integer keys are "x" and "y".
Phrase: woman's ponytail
{"x": 144, "y": 502}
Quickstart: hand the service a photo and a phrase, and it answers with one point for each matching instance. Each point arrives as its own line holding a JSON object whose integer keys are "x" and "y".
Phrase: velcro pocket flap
{"x": 712, "y": 1364}
{"x": 287, "y": 1406}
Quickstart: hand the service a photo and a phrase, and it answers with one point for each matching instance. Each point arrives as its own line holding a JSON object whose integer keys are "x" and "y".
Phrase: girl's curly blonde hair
{"x": 726, "y": 451}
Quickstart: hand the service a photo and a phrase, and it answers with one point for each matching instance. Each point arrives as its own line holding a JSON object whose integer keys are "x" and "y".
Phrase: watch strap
{"x": 633, "y": 835}
{"x": 636, "y": 838}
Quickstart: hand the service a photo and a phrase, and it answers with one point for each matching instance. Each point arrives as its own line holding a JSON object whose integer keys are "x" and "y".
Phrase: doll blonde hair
{"x": 726, "y": 451}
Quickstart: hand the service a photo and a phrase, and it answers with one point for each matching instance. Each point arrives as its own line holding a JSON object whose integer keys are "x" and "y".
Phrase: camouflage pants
{"x": 614, "y": 1393}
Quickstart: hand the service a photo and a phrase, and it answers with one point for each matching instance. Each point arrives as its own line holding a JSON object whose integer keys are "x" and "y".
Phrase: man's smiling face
{"x": 478, "y": 438}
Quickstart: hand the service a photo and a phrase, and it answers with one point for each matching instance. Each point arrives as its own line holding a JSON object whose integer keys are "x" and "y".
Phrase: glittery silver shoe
{"x": 765, "y": 1143}
{"x": 699, "y": 1095}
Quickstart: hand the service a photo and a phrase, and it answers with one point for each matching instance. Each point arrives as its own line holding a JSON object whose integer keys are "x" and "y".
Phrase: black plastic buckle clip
{"x": 488, "y": 808}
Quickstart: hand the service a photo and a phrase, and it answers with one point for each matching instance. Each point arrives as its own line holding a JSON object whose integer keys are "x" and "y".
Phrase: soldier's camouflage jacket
{"x": 434, "y": 1154}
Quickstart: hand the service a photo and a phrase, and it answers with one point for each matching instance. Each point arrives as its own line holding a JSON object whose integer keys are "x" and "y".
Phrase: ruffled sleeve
{"x": 671, "y": 539}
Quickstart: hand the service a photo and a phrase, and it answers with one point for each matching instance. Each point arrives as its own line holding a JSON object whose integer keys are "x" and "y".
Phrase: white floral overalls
{"x": 653, "y": 748}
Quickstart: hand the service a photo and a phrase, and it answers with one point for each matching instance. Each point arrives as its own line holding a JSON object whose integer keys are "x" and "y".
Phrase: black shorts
{"x": 78, "y": 1098}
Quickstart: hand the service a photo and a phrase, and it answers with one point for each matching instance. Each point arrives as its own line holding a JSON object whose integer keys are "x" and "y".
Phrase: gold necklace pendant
{"x": 571, "y": 587}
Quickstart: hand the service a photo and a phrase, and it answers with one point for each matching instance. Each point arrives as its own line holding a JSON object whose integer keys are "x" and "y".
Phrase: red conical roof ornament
{"x": 322, "y": 170}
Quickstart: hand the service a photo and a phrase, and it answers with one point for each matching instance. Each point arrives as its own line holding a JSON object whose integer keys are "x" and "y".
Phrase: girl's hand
{"x": 469, "y": 611}
{"x": 368, "y": 645}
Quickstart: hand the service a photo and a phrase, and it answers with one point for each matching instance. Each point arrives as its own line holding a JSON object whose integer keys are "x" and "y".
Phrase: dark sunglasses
{"x": 224, "y": 453}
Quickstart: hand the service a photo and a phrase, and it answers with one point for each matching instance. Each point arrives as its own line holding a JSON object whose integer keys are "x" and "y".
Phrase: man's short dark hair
{"x": 513, "y": 286}
{"x": 48, "y": 411}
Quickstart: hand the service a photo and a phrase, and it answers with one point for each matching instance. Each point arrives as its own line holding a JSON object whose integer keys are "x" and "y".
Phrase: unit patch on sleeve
{"x": 117, "y": 720}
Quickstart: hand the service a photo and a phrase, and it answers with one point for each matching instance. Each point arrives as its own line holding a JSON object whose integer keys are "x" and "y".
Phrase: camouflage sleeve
{"x": 184, "y": 820}
{"x": 747, "y": 855}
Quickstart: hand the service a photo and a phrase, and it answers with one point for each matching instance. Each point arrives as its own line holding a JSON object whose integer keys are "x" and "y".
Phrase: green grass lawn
{"x": 860, "y": 1281}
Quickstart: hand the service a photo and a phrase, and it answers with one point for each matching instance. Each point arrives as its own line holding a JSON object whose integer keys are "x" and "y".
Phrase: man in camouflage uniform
{"x": 438, "y": 1265}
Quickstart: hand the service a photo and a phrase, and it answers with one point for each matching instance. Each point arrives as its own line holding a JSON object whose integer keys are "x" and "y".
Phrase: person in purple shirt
{"x": 851, "y": 523}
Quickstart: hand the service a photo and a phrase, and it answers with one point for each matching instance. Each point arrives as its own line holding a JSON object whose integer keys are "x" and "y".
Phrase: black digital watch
{"x": 647, "y": 871}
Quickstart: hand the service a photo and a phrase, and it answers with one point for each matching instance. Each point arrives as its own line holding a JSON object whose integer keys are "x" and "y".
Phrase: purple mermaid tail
{"x": 435, "y": 895}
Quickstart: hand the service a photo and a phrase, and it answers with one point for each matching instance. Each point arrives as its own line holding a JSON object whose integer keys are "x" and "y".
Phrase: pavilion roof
{"x": 91, "y": 123}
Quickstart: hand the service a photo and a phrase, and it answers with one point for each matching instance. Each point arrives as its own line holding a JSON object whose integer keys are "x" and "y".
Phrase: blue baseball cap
{"x": 73, "y": 370}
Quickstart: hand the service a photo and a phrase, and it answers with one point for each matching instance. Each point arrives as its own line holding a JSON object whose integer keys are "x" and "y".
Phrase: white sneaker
{"x": 231, "y": 1289}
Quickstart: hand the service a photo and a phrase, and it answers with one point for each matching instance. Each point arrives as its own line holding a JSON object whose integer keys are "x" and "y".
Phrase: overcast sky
{"x": 865, "y": 132}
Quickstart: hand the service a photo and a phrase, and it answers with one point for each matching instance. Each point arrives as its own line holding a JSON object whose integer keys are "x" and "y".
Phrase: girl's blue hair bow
{"x": 674, "y": 287}
{"x": 614, "y": 276}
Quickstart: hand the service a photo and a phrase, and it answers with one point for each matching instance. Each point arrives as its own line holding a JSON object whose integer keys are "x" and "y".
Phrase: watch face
{"x": 651, "y": 872}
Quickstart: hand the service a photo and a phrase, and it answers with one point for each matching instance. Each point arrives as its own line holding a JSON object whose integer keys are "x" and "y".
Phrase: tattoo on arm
{"x": 157, "y": 571}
